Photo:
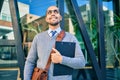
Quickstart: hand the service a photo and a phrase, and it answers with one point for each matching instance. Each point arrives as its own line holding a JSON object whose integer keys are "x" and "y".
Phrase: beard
{"x": 54, "y": 24}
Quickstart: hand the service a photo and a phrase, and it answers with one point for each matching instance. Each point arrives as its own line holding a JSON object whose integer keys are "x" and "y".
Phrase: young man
{"x": 44, "y": 42}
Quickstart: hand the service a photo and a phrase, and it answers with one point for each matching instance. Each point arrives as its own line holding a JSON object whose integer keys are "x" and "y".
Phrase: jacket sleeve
{"x": 78, "y": 61}
{"x": 31, "y": 60}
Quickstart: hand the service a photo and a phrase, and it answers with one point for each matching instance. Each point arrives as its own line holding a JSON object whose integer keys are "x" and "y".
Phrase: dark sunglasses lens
{"x": 49, "y": 12}
{"x": 55, "y": 11}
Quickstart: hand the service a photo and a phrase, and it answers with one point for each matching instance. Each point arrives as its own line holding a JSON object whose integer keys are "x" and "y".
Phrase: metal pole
{"x": 18, "y": 35}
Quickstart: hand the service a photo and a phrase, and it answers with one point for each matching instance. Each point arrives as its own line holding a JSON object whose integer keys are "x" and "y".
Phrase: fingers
{"x": 56, "y": 57}
{"x": 56, "y": 51}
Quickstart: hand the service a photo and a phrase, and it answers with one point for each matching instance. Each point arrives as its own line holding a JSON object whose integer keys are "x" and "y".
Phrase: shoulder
{"x": 40, "y": 35}
{"x": 67, "y": 34}
{"x": 70, "y": 37}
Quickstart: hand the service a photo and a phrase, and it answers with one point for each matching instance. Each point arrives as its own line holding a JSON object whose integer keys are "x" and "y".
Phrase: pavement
{"x": 82, "y": 74}
{"x": 89, "y": 74}
{"x": 8, "y": 74}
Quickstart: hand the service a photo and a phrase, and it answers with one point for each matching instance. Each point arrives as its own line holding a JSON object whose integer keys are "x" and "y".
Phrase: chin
{"x": 54, "y": 24}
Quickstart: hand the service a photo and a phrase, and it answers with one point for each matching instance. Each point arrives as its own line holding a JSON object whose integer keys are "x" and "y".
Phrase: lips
{"x": 53, "y": 17}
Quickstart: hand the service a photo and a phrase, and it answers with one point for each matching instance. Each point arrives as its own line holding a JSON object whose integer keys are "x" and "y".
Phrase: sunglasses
{"x": 54, "y": 11}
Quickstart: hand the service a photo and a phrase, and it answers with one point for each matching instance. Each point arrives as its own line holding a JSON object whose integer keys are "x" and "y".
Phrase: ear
{"x": 46, "y": 19}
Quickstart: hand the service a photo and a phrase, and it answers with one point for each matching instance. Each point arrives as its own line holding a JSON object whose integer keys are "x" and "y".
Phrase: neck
{"x": 54, "y": 27}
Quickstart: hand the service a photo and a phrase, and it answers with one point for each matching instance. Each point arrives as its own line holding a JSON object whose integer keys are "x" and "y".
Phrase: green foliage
{"x": 116, "y": 34}
{"x": 91, "y": 29}
{"x": 30, "y": 28}
{"x": 116, "y": 27}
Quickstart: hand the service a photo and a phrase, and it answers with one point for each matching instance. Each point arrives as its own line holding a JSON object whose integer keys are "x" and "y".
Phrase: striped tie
{"x": 53, "y": 33}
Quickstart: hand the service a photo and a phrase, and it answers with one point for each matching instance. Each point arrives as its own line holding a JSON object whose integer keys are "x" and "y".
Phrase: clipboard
{"x": 66, "y": 49}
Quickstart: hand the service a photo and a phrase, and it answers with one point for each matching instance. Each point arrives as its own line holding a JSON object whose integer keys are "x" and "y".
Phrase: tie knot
{"x": 53, "y": 33}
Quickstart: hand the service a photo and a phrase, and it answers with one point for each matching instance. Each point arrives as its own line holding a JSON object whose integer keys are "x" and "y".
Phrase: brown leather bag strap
{"x": 60, "y": 36}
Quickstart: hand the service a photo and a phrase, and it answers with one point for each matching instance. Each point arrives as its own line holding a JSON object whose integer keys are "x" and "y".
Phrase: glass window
{"x": 6, "y": 27}
{"x": 32, "y": 19}
{"x": 8, "y": 57}
{"x": 112, "y": 39}
{"x": 89, "y": 14}
{"x": 4, "y": 17}
{"x": 9, "y": 18}
{"x": 8, "y": 52}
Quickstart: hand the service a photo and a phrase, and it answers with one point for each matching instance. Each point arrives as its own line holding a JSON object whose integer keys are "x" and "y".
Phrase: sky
{"x": 38, "y": 7}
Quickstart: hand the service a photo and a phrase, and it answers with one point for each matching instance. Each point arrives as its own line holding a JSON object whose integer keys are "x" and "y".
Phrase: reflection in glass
{"x": 8, "y": 57}
{"x": 6, "y": 30}
{"x": 32, "y": 19}
{"x": 112, "y": 33}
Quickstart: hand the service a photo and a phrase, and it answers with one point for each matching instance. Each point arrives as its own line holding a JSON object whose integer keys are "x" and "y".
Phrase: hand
{"x": 56, "y": 57}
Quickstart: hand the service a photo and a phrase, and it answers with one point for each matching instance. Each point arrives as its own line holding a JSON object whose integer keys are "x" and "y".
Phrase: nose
{"x": 52, "y": 13}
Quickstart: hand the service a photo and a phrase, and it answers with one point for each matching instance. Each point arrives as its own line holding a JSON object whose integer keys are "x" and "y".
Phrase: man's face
{"x": 53, "y": 16}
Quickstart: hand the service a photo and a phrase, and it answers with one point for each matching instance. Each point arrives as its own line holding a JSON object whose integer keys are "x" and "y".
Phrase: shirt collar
{"x": 58, "y": 31}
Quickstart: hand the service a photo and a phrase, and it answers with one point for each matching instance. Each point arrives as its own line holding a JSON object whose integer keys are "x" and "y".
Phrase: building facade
{"x": 96, "y": 24}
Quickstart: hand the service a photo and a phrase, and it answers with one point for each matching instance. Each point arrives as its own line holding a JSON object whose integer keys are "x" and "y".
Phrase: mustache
{"x": 53, "y": 16}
